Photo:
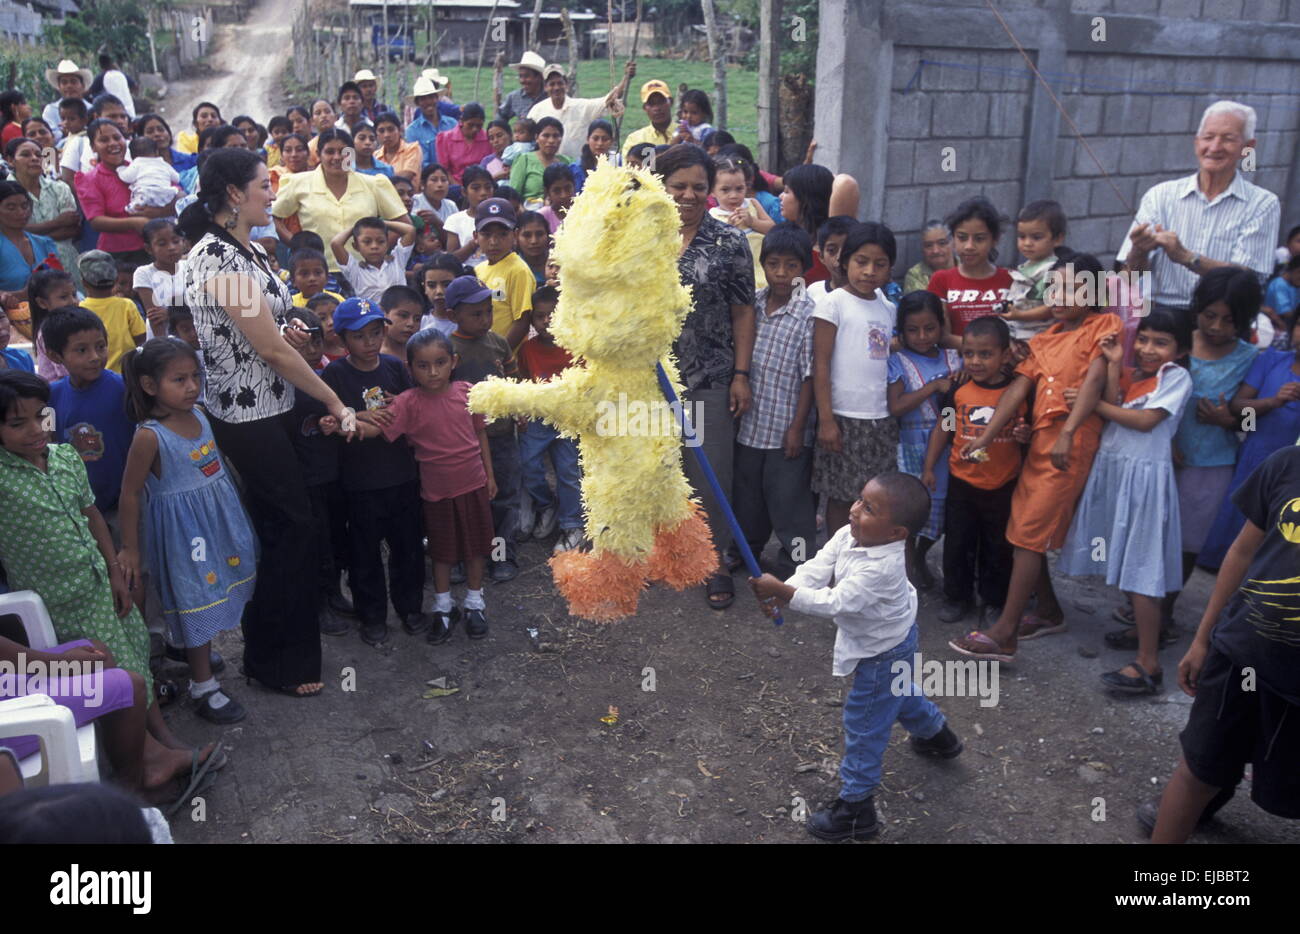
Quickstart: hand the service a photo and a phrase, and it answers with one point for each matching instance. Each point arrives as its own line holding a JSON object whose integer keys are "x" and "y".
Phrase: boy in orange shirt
{"x": 1064, "y": 441}
{"x": 979, "y": 493}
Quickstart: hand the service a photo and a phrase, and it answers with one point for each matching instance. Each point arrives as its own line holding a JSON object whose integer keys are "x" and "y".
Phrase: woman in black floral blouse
{"x": 239, "y": 307}
{"x": 717, "y": 341}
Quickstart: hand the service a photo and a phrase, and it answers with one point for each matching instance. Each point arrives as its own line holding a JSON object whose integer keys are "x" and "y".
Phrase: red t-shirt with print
{"x": 968, "y": 299}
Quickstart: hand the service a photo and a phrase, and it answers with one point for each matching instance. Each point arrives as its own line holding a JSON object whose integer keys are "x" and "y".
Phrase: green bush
{"x": 120, "y": 26}
{"x": 28, "y": 63}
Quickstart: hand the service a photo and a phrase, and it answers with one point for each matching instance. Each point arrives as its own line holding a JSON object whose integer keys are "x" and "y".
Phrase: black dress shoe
{"x": 332, "y": 625}
{"x": 442, "y": 625}
{"x": 177, "y": 654}
{"x": 416, "y": 623}
{"x": 943, "y": 745}
{"x": 476, "y": 626}
{"x": 503, "y": 571}
{"x": 340, "y": 604}
{"x": 845, "y": 819}
{"x": 374, "y": 633}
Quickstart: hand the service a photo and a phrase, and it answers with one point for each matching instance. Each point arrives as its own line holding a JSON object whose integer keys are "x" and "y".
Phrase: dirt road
{"x": 247, "y": 62}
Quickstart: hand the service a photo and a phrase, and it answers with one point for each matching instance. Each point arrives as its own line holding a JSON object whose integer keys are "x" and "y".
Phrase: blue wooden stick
{"x": 702, "y": 459}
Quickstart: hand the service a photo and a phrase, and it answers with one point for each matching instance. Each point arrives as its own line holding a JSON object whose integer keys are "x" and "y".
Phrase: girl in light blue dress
{"x": 201, "y": 549}
{"x": 919, "y": 376}
{"x": 1126, "y": 527}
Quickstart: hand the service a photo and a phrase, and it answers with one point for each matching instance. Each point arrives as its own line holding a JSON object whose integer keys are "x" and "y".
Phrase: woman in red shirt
{"x": 104, "y": 197}
{"x": 976, "y": 284}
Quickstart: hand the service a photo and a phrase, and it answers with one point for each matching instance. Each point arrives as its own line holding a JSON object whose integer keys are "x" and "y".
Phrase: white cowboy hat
{"x": 365, "y": 74}
{"x": 68, "y": 67}
{"x": 424, "y": 87}
{"x": 439, "y": 80}
{"x": 531, "y": 60}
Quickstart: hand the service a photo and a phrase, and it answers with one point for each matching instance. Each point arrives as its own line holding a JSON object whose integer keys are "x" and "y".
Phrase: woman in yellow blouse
{"x": 330, "y": 198}
{"x": 204, "y": 115}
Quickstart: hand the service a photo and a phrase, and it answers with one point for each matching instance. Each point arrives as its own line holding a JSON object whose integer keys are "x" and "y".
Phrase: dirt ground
{"x": 741, "y": 729}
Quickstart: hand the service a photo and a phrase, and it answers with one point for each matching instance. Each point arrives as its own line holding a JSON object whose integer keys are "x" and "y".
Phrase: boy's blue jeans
{"x": 536, "y": 440}
{"x": 869, "y": 714}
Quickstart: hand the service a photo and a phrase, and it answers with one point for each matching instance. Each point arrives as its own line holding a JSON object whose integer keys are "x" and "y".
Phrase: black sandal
{"x": 1127, "y": 640}
{"x": 1143, "y": 684}
{"x": 720, "y": 585}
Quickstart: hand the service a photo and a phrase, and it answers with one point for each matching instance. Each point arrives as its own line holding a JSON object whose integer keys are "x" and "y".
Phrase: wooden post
{"x": 718, "y": 55}
{"x": 769, "y": 76}
{"x": 636, "y": 40}
{"x": 383, "y": 56}
{"x": 498, "y": 81}
{"x": 534, "y": 25}
{"x": 478, "y": 65}
{"x": 572, "y": 76}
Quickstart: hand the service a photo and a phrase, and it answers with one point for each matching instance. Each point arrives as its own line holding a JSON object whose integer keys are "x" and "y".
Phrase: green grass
{"x": 593, "y": 81}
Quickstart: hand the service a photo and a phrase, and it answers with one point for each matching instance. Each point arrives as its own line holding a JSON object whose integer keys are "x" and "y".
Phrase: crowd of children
{"x": 1005, "y": 411}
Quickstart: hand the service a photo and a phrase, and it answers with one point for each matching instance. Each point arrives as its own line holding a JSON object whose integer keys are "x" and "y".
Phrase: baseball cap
{"x": 655, "y": 86}
{"x": 466, "y": 289}
{"x": 98, "y": 268}
{"x": 494, "y": 211}
{"x": 353, "y": 314}
{"x": 552, "y": 69}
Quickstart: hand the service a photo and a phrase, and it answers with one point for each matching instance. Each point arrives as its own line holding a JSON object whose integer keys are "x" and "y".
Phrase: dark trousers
{"x": 392, "y": 516}
{"x": 330, "y": 524}
{"x": 281, "y": 632}
{"x": 505, "y": 505}
{"x": 975, "y": 547}
{"x": 715, "y": 430}
{"x": 770, "y": 492}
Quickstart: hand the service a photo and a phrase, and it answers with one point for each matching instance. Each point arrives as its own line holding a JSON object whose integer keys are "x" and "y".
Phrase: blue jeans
{"x": 537, "y": 439}
{"x": 505, "y": 506}
{"x": 869, "y": 714}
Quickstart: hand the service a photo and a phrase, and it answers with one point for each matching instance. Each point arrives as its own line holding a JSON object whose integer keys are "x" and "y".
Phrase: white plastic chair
{"x": 67, "y": 754}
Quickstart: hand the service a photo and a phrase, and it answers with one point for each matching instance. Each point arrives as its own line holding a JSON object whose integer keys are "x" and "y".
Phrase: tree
{"x": 797, "y": 34}
{"x": 120, "y": 27}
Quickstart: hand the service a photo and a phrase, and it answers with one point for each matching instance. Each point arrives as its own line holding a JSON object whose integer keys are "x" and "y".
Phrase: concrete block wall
{"x": 1136, "y": 98}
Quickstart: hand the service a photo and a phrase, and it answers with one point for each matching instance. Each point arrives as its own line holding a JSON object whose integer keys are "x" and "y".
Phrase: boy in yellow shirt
{"x": 121, "y": 317}
{"x": 505, "y": 272}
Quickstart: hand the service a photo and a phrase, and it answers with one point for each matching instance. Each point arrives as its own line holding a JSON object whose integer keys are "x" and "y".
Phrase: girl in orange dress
{"x": 1065, "y": 356}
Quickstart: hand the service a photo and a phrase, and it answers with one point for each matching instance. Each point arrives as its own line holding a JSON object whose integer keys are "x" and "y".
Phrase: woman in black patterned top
{"x": 717, "y": 341}
{"x": 239, "y": 307}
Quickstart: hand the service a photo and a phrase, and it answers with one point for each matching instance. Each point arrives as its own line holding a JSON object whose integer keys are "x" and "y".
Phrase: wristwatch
{"x": 1194, "y": 263}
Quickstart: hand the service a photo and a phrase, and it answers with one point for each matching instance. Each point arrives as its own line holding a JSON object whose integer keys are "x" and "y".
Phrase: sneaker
{"x": 503, "y": 571}
{"x": 476, "y": 626}
{"x": 844, "y": 819}
{"x": 229, "y": 712}
{"x": 416, "y": 623}
{"x": 942, "y": 745}
{"x": 545, "y": 523}
{"x": 458, "y": 572}
{"x": 525, "y": 518}
{"x": 177, "y": 654}
{"x": 569, "y": 540}
{"x": 953, "y": 611}
{"x": 332, "y": 625}
{"x": 442, "y": 625}
{"x": 374, "y": 633}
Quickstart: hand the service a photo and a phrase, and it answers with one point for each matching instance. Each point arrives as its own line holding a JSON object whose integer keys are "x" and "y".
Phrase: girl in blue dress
{"x": 201, "y": 549}
{"x": 1268, "y": 403}
{"x": 919, "y": 375}
{"x": 1126, "y": 526}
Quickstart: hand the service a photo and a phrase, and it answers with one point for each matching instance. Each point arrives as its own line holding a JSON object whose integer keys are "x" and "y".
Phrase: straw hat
{"x": 423, "y": 87}
{"x": 439, "y": 80}
{"x": 531, "y": 60}
{"x": 68, "y": 67}
{"x": 365, "y": 74}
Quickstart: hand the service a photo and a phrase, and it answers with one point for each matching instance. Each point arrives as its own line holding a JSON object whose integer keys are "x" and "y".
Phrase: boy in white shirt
{"x": 154, "y": 183}
{"x": 874, "y": 609}
{"x": 378, "y": 269}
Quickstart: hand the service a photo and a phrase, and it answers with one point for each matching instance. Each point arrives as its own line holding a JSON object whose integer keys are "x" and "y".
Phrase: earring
{"x": 234, "y": 218}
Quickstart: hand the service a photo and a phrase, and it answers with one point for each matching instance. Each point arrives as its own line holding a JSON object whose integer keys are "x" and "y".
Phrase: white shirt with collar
{"x": 871, "y": 601}
{"x": 1240, "y": 225}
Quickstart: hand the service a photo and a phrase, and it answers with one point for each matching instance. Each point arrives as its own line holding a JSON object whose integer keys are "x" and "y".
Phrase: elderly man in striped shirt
{"x": 1188, "y": 226}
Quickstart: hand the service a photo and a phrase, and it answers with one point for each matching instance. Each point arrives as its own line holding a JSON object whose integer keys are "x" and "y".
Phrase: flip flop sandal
{"x": 733, "y": 563}
{"x": 1127, "y": 640}
{"x": 720, "y": 585}
{"x": 1123, "y": 615}
{"x": 1127, "y": 684}
{"x": 197, "y": 774}
{"x": 1032, "y": 626}
{"x": 289, "y": 690}
{"x": 978, "y": 645}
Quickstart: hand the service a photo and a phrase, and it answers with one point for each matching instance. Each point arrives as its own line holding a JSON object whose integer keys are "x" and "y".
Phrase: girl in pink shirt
{"x": 456, "y": 480}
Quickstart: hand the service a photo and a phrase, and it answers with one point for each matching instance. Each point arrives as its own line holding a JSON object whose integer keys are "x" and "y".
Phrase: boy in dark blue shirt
{"x": 90, "y": 402}
{"x": 378, "y": 477}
